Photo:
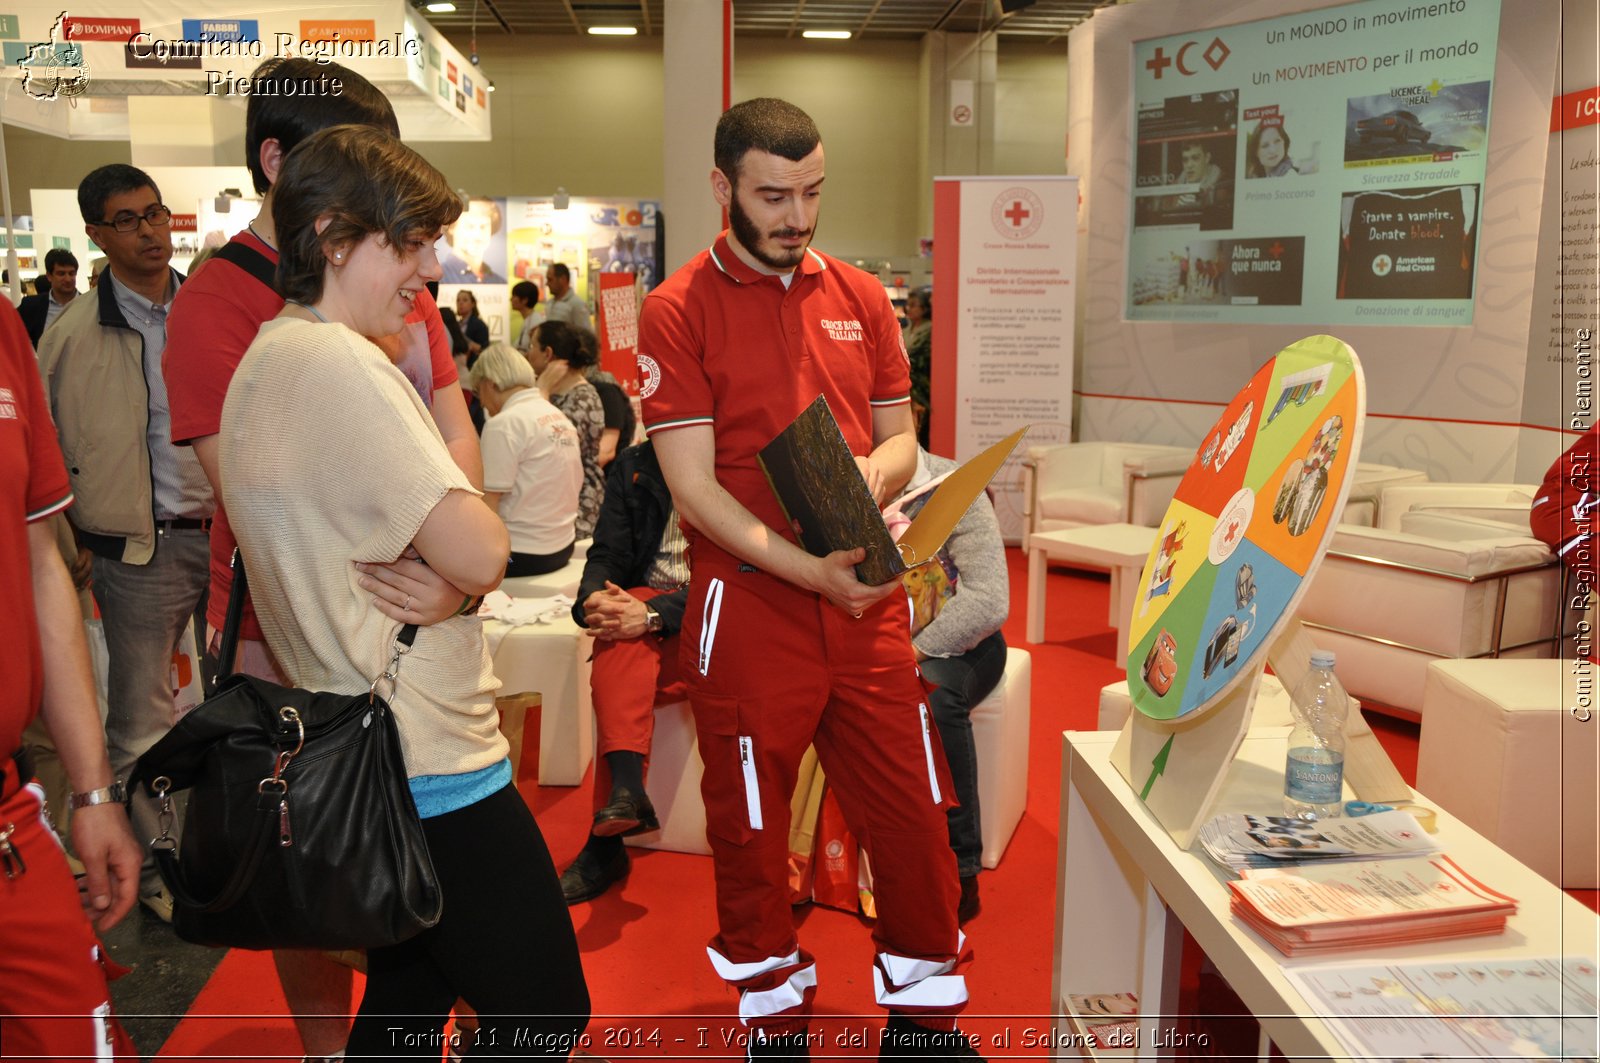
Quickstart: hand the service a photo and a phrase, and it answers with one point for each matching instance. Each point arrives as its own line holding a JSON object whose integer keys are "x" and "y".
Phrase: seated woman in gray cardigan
{"x": 957, "y": 606}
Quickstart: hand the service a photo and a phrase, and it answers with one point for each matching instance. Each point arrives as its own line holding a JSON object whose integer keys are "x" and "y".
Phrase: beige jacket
{"x": 92, "y": 361}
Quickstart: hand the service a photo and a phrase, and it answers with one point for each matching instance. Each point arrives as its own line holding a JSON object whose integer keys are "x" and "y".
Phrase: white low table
{"x": 552, "y": 660}
{"x": 1119, "y": 548}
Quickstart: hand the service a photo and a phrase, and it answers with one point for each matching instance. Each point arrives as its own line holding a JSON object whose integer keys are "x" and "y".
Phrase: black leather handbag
{"x": 300, "y": 831}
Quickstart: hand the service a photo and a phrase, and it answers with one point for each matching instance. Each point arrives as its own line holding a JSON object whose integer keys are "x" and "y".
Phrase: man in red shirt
{"x": 782, "y": 649}
{"x": 213, "y": 322}
{"x": 54, "y": 1003}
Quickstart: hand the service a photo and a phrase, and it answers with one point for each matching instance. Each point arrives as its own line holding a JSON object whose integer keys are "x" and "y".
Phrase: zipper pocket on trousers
{"x": 752, "y": 788}
{"x": 708, "y": 623}
{"x": 927, "y": 752}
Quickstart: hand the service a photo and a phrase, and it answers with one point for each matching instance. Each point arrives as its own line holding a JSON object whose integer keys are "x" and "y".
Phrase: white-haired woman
{"x": 532, "y": 464}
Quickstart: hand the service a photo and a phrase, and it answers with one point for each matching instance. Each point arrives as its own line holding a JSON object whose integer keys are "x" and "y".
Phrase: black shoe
{"x": 779, "y": 1046}
{"x": 627, "y": 814}
{"x": 904, "y": 1039}
{"x": 589, "y": 875}
{"x": 970, "y": 906}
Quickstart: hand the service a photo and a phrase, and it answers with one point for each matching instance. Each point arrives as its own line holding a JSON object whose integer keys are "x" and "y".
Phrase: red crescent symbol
{"x": 1181, "y": 68}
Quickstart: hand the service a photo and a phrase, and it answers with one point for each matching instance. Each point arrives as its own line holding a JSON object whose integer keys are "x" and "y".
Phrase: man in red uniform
{"x": 214, "y": 320}
{"x": 781, "y": 649}
{"x": 53, "y": 997}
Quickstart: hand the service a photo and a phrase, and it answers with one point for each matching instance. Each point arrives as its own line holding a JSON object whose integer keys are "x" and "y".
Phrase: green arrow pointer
{"x": 1157, "y": 767}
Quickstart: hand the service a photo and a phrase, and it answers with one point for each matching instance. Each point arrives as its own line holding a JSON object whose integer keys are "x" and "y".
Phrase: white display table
{"x": 1119, "y": 548}
{"x": 552, "y": 660}
{"x": 1125, "y": 892}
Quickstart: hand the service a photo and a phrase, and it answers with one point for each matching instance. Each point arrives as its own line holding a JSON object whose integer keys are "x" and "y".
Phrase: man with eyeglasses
{"x": 143, "y": 505}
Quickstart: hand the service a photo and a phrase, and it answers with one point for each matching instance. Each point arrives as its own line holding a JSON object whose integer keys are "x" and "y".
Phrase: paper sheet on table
{"x": 514, "y": 612}
{"x": 1493, "y": 1008}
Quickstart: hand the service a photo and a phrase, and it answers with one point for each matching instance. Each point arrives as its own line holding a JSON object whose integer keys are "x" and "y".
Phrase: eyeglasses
{"x": 158, "y": 217}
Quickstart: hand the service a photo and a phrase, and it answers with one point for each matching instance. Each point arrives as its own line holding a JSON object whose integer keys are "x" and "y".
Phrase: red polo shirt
{"x": 724, "y": 345}
{"x": 33, "y": 485}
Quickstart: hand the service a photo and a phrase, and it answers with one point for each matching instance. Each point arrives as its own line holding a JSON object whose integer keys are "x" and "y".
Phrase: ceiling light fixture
{"x": 440, "y": 7}
{"x": 613, "y": 31}
{"x": 826, "y": 35}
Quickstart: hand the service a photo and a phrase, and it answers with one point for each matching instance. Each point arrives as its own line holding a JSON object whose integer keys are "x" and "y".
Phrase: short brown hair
{"x": 365, "y": 181}
{"x": 766, "y": 124}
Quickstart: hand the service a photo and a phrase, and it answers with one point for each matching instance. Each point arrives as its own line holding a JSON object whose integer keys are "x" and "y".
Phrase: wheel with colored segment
{"x": 1225, "y": 573}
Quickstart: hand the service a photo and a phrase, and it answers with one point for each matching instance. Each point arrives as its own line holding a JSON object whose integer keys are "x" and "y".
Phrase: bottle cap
{"x": 1322, "y": 658}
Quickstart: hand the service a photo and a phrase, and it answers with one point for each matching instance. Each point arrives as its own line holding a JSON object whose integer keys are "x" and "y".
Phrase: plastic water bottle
{"x": 1314, "y": 779}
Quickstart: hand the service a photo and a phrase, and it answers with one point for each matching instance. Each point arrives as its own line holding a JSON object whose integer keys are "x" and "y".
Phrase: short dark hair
{"x": 110, "y": 180}
{"x": 59, "y": 256}
{"x": 41, "y": 283}
{"x": 560, "y": 270}
{"x": 365, "y": 181}
{"x": 564, "y": 343}
{"x": 767, "y": 124}
{"x": 924, "y": 296}
{"x": 291, "y": 118}
{"x": 527, "y": 291}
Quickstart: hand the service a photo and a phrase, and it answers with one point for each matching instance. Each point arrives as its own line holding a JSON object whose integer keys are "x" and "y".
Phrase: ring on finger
{"x": 407, "y": 607}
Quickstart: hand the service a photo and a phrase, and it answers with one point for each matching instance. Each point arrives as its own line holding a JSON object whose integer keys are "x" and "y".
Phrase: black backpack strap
{"x": 251, "y": 261}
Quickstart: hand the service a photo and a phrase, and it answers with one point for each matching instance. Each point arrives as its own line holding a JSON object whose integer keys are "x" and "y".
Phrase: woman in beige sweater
{"x": 330, "y": 461}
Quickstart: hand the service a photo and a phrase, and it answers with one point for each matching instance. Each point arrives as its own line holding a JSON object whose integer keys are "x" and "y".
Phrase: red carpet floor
{"x": 644, "y": 942}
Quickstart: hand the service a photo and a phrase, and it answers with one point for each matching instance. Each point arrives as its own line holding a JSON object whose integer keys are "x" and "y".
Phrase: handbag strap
{"x": 171, "y": 869}
{"x": 228, "y": 649}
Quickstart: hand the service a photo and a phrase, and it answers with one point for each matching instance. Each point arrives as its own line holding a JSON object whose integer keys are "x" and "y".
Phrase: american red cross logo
{"x": 1159, "y": 63}
{"x": 1018, "y": 214}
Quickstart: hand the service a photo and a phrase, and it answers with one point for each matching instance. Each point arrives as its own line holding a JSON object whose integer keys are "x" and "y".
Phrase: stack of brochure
{"x": 1329, "y": 906}
{"x": 1240, "y": 840}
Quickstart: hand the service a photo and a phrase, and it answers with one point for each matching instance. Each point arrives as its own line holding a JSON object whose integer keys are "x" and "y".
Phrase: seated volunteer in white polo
{"x": 532, "y": 466}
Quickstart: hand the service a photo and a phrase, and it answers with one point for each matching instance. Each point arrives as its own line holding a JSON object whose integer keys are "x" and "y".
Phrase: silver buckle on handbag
{"x": 276, "y": 784}
{"x": 165, "y": 817}
{"x": 400, "y": 650}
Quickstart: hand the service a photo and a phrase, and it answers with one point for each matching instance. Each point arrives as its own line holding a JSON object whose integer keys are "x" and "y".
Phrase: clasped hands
{"x": 613, "y": 615}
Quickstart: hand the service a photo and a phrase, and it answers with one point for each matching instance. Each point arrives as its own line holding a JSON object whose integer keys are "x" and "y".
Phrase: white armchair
{"x": 1367, "y": 486}
{"x": 1070, "y": 485}
{"x": 1507, "y": 504}
{"x": 1441, "y": 586}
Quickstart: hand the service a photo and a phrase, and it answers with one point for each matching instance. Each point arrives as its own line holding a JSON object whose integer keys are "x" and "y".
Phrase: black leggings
{"x": 504, "y": 944}
{"x": 538, "y": 564}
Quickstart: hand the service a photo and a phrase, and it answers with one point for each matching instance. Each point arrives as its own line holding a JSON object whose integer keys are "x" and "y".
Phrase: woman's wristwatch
{"x": 115, "y": 793}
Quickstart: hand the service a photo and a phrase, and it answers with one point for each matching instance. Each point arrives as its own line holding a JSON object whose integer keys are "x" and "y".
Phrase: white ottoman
{"x": 1501, "y": 752}
{"x": 999, "y": 731}
{"x": 1271, "y": 707}
{"x": 673, "y": 784}
{"x": 1000, "y": 734}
